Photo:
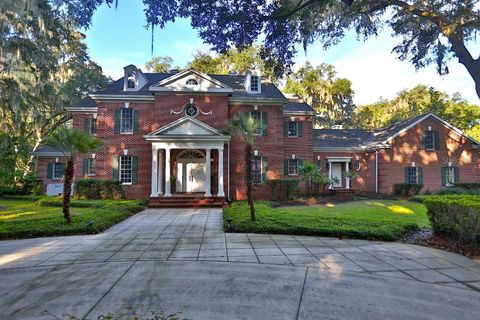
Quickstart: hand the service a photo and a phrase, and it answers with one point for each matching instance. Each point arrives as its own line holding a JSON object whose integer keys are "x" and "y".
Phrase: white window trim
{"x": 452, "y": 173}
{"x": 292, "y": 174}
{"x": 120, "y": 170}
{"x": 416, "y": 175}
{"x": 88, "y": 168}
{"x": 53, "y": 171}
{"x": 121, "y": 121}
{"x": 433, "y": 140}
{"x": 296, "y": 131}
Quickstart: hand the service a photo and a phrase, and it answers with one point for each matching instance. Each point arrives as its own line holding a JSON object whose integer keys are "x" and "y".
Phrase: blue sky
{"x": 118, "y": 37}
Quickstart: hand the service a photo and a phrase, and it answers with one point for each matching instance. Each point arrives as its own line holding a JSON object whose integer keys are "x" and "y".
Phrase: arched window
{"x": 131, "y": 81}
{"x": 192, "y": 82}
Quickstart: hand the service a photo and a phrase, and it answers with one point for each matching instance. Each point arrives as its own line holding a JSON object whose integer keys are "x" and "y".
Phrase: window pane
{"x": 127, "y": 121}
{"x": 293, "y": 129}
{"x": 257, "y": 116}
{"x": 429, "y": 140}
{"x": 412, "y": 175}
{"x": 126, "y": 169}
{"x": 93, "y": 126}
{"x": 292, "y": 167}
{"x": 91, "y": 167}
{"x": 257, "y": 169}
{"x": 57, "y": 170}
{"x": 450, "y": 176}
{"x": 253, "y": 83}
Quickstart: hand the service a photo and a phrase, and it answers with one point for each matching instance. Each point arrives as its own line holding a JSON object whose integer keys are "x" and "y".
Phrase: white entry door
{"x": 337, "y": 173}
{"x": 196, "y": 177}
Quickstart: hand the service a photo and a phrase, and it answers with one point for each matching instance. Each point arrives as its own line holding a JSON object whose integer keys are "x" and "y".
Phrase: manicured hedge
{"x": 473, "y": 185}
{"x": 407, "y": 188}
{"x": 459, "y": 190}
{"x": 91, "y": 189}
{"x": 13, "y": 191}
{"x": 73, "y": 204}
{"x": 455, "y": 216}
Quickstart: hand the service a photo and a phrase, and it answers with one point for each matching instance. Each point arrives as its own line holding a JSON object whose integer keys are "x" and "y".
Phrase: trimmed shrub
{"x": 474, "y": 185}
{"x": 407, "y": 188}
{"x": 455, "y": 216}
{"x": 92, "y": 189}
{"x": 13, "y": 191}
{"x": 73, "y": 204}
{"x": 458, "y": 190}
{"x": 284, "y": 189}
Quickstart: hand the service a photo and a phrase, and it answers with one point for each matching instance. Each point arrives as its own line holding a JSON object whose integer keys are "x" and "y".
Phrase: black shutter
{"x": 135, "y": 121}
{"x": 50, "y": 171}
{"x": 86, "y": 125}
{"x": 85, "y": 167}
{"x": 285, "y": 167}
{"x": 405, "y": 171}
{"x": 419, "y": 175}
{"x": 456, "y": 174}
{"x": 117, "y": 120}
{"x": 285, "y": 128}
{"x": 134, "y": 169}
{"x": 264, "y": 123}
{"x": 264, "y": 169}
{"x": 116, "y": 168}
{"x": 436, "y": 138}
{"x": 444, "y": 175}
{"x": 300, "y": 129}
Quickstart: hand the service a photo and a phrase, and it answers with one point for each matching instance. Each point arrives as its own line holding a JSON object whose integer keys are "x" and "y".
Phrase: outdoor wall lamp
{"x": 56, "y": 160}
{"x": 125, "y": 152}
{"x": 95, "y": 115}
{"x": 127, "y": 104}
{"x": 413, "y": 164}
{"x": 449, "y": 163}
{"x": 191, "y": 100}
{"x": 255, "y": 152}
{"x": 255, "y": 107}
{"x": 293, "y": 156}
{"x": 318, "y": 158}
{"x": 93, "y": 155}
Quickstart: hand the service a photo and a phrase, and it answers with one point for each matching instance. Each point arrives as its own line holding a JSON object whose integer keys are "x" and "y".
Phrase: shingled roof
{"x": 354, "y": 139}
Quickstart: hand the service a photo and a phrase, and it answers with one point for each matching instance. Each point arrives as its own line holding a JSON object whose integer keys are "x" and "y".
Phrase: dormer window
{"x": 192, "y": 82}
{"x": 131, "y": 81}
{"x": 254, "y": 79}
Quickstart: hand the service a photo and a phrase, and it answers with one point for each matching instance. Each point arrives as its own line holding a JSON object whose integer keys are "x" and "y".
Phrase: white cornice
{"x": 122, "y": 97}
{"x": 82, "y": 109}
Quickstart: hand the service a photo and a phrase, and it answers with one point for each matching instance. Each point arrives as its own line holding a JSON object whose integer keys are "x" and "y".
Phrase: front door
{"x": 196, "y": 177}
{"x": 337, "y": 173}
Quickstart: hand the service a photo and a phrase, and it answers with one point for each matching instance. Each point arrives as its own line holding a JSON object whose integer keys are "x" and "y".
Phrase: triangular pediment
{"x": 191, "y": 81}
{"x": 186, "y": 126}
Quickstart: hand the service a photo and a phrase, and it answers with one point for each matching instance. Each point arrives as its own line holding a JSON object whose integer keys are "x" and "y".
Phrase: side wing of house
{"x": 431, "y": 152}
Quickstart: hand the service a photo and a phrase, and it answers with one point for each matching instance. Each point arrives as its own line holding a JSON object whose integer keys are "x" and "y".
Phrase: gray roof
{"x": 48, "y": 151}
{"x": 298, "y": 107}
{"x": 269, "y": 90}
{"x": 358, "y": 139}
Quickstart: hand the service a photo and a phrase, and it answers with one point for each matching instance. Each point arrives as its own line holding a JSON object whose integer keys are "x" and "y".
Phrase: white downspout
{"x": 376, "y": 171}
{"x": 228, "y": 173}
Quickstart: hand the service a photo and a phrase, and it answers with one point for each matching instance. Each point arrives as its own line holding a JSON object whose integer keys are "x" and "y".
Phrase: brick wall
{"x": 407, "y": 148}
{"x": 42, "y": 170}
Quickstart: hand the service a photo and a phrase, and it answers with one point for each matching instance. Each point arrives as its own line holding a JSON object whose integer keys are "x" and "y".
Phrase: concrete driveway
{"x": 180, "y": 260}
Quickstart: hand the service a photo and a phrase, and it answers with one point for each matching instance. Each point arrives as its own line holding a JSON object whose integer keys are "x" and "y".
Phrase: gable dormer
{"x": 133, "y": 79}
{"x": 253, "y": 82}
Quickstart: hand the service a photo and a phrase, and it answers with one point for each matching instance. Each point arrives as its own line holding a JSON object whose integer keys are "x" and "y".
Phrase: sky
{"x": 118, "y": 37}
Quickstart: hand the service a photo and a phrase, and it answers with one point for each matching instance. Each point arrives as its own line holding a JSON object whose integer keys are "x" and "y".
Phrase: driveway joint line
{"x": 301, "y": 294}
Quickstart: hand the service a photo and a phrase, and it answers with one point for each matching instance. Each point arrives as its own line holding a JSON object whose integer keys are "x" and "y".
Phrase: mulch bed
{"x": 425, "y": 237}
{"x": 313, "y": 201}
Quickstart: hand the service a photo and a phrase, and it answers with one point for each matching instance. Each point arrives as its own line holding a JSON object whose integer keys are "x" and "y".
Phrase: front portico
{"x": 182, "y": 159}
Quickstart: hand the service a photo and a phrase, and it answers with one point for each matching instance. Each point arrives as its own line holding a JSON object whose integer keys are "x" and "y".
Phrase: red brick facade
{"x": 160, "y": 109}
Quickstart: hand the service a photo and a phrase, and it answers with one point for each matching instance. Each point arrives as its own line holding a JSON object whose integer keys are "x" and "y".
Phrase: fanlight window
{"x": 192, "y": 82}
{"x": 190, "y": 155}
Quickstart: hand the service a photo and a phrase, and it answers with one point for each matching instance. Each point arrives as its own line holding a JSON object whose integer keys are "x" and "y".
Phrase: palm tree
{"x": 71, "y": 143}
{"x": 246, "y": 127}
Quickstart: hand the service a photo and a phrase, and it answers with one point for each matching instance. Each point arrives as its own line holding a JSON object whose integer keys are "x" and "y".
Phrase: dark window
{"x": 91, "y": 167}
{"x": 131, "y": 81}
{"x": 430, "y": 140}
{"x": 126, "y": 166}
{"x": 57, "y": 170}
{"x": 92, "y": 126}
{"x": 412, "y": 175}
{"x": 318, "y": 164}
{"x": 292, "y": 167}
{"x": 254, "y": 83}
{"x": 257, "y": 169}
{"x": 293, "y": 129}
{"x": 257, "y": 116}
{"x": 356, "y": 165}
{"x": 192, "y": 82}
{"x": 450, "y": 177}
{"x": 126, "y": 121}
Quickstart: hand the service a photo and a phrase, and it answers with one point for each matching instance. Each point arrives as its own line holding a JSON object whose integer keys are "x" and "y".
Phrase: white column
{"x": 208, "y": 192}
{"x": 168, "y": 186}
{"x": 160, "y": 173}
{"x": 154, "y": 172}
{"x": 329, "y": 173}
{"x": 221, "y": 193}
{"x": 347, "y": 180}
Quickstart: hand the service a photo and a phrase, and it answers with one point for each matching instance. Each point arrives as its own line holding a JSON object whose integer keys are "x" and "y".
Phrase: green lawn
{"x": 370, "y": 219}
{"x": 25, "y": 218}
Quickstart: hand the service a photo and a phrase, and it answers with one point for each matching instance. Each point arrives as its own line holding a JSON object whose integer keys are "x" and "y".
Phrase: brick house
{"x": 164, "y": 137}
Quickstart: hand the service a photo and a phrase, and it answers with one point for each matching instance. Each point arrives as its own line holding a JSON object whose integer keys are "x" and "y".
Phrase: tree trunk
{"x": 464, "y": 57}
{"x": 249, "y": 180}
{"x": 67, "y": 189}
